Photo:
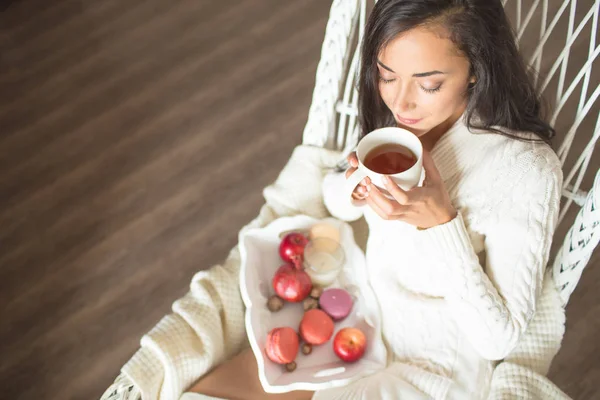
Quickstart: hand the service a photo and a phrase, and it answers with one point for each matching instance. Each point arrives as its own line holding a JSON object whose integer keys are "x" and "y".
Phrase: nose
{"x": 404, "y": 100}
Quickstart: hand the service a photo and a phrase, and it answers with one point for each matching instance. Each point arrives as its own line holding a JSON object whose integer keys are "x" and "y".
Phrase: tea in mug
{"x": 390, "y": 159}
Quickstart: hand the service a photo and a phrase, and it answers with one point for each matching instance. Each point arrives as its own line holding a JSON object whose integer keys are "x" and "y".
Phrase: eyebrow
{"x": 419, "y": 75}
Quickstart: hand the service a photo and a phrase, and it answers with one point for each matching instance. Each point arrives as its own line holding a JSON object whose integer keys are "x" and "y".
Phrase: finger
{"x": 358, "y": 196}
{"x": 359, "y": 202}
{"x": 350, "y": 171}
{"x": 432, "y": 174}
{"x": 362, "y": 191}
{"x": 353, "y": 159}
{"x": 386, "y": 205}
{"x": 376, "y": 208}
{"x": 396, "y": 191}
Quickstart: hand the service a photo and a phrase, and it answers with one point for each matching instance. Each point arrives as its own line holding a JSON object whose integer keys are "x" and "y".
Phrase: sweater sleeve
{"x": 207, "y": 326}
{"x": 494, "y": 302}
{"x": 337, "y": 205}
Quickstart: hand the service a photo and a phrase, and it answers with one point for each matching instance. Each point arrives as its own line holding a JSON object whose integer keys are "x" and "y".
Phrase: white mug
{"x": 406, "y": 180}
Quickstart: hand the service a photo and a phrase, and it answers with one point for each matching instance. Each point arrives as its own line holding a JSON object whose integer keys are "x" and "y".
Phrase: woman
{"x": 457, "y": 264}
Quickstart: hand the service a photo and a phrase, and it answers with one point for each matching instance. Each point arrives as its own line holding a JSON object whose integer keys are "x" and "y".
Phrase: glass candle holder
{"x": 323, "y": 260}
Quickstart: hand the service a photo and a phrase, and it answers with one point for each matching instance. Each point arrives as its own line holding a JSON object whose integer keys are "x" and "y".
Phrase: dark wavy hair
{"x": 502, "y": 99}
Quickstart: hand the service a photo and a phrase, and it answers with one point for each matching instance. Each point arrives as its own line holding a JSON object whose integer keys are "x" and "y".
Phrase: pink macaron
{"x": 337, "y": 303}
{"x": 282, "y": 345}
{"x": 316, "y": 327}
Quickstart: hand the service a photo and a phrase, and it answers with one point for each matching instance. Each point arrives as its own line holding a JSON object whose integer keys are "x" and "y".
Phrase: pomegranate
{"x": 291, "y": 283}
{"x": 291, "y": 248}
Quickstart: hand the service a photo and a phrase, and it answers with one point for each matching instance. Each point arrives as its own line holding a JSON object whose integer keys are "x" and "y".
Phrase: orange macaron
{"x": 316, "y": 327}
{"x": 282, "y": 345}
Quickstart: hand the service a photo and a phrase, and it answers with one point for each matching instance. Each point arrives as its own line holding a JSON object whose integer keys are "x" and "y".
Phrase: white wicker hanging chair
{"x": 568, "y": 84}
{"x": 332, "y": 119}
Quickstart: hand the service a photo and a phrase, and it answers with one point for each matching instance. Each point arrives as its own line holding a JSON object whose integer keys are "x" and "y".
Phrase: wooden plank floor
{"x": 135, "y": 140}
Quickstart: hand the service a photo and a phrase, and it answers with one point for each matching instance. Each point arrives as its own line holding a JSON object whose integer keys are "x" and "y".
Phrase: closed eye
{"x": 382, "y": 79}
{"x": 431, "y": 91}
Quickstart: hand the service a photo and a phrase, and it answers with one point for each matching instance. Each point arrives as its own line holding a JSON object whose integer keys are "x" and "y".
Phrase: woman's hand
{"x": 423, "y": 207}
{"x": 361, "y": 191}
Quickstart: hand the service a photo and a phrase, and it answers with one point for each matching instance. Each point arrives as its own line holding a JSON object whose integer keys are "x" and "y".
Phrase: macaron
{"x": 316, "y": 327}
{"x": 282, "y": 345}
{"x": 337, "y": 303}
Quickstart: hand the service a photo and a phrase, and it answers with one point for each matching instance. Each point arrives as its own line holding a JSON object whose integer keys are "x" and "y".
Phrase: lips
{"x": 408, "y": 121}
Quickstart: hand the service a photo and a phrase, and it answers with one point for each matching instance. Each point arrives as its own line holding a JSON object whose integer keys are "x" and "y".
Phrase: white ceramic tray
{"x": 321, "y": 369}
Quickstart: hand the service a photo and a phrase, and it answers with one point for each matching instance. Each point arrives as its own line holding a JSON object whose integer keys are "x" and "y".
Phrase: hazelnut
{"x": 290, "y": 367}
{"x": 310, "y": 303}
{"x": 275, "y": 303}
{"x": 316, "y": 292}
{"x": 306, "y": 348}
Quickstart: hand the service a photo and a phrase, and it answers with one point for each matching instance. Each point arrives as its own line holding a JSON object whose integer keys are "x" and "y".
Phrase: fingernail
{"x": 386, "y": 179}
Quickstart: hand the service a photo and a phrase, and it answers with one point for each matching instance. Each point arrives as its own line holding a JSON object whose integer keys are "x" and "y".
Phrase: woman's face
{"x": 423, "y": 80}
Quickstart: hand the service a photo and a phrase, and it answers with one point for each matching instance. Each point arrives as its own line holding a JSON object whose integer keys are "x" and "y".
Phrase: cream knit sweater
{"x": 459, "y": 296}
{"x": 453, "y": 297}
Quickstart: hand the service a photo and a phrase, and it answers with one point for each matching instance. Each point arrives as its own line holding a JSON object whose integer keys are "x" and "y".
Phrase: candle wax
{"x": 322, "y": 267}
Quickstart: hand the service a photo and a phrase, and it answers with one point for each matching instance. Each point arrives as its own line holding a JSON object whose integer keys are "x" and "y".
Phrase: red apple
{"x": 349, "y": 344}
{"x": 292, "y": 284}
{"x": 291, "y": 248}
